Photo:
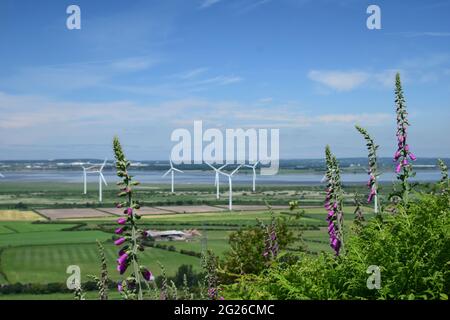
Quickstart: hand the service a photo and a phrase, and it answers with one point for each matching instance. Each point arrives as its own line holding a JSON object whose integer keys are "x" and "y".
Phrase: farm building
{"x": 172, "y": 235}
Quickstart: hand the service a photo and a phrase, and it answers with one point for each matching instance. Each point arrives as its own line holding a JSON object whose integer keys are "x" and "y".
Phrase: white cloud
{"x": 208, "y": 3}
{"x": 191, "y": 73}
{"x": 422, "y": 34}
{"x": 68, "y": 77}
{"x": 339, "y": 80}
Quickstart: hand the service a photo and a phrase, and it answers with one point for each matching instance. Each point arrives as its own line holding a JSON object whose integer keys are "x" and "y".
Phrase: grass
{"x": 41, "y": 252}
{"x": 51, "y": 238}
{"x": 90, "y": 295}
{"x": 48, "y": 263}
{"x": 38, "y": 195}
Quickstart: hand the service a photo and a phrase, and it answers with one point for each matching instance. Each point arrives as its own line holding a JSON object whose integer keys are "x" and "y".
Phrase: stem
{"x": 134, "y": 250}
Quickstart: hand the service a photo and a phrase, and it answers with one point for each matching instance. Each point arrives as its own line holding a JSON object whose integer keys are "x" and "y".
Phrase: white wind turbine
{"x": 216, "y": 179}
{"x": 172, "y": 173}
{"x": 253, "y": 167}
{"x": 230, "y": 176}
{"x": 98, "y": 168}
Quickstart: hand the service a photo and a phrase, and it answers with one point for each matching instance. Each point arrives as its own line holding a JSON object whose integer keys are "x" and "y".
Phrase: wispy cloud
{"x": 190, "y": 74}
{"x": 415, "y": 34}
{"x": 251, "y": 5}
{"x": 67, "y": 77}
{"x": 339, "y": 80}
{"x": 208, "y": 3}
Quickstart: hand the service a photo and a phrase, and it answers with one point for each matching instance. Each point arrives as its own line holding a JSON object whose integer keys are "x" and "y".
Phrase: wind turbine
{"x": 172, "y": 173}
{"x": 230, "y": 175}
{"x": 253, "y": 167}
{"x": 98, "y": 168}
{"x": 216, "y": 180}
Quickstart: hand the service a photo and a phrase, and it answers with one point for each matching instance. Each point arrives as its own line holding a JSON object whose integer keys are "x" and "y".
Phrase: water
{"x": 203, "y": 177}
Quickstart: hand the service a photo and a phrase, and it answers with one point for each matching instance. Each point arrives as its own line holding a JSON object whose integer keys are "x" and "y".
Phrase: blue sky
{"x": 140, "y": 69}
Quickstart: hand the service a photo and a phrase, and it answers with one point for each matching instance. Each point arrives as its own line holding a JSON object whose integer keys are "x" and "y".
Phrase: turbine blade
{"x": 209, "y": 164}
{"x": 220, "y": 168}
{"x": 177, "y": 170}
{"x": 235, "y": 170}
{"x": 103, "y": 178}
{"x": 168, "y": 171}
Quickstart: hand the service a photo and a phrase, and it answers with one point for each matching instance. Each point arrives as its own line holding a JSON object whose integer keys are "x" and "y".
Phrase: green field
{"x": 39, "y": 252}
{"x": 37, "y": 195}
{"x": 48, "y": 263}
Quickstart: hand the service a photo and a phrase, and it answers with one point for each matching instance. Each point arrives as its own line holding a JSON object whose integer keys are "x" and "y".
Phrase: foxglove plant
{"x": 209, "y": 264}
{"x": 444, "y": 171}
{"x": 102, "y": 282}
{"x": 359, "y": 217}
{"x": 372, "y": 171}
{"x": 444, "y": 182}
{"x": 271, "y": 247}
{"x": 130, "y": 235}
{"x": 333, "y": 202}
{"x": 403, "y": 153}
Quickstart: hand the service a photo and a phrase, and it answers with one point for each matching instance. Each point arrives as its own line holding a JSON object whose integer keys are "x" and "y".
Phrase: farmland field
{"x": 39, "y": 242}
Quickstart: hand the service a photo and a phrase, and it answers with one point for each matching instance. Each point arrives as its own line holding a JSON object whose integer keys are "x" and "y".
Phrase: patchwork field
{"x": 38, "y": 246}
{"x": 191, "y": 209}
{"x": 15, "y": 215}
{"x": 54, "y": 214}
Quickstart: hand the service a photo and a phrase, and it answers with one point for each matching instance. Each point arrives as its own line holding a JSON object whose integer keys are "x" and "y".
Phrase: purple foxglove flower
{"x": 119, "y": 241}
{"x": 147, "y": 275}
{"x": 122, "y": 221}
{"x": 399, "y": 168}
{"x": 123, "y": 258}
{"x": 397, "y": 155}
{"x": 118, "y": 206}
{"x": 405, "y": 162}
{"x": 129, "y": 211}
{"x": 120, "y": 287}
{"x": 330, "y": 227}
{"x": 122, "y": 268}
{"x": 119, "y": 230}
{"x": 412, "y": 156}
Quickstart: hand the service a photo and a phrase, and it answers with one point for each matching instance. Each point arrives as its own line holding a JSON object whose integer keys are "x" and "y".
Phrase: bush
{"x": 411, "y": 248}
{"x": 246, "y": 255}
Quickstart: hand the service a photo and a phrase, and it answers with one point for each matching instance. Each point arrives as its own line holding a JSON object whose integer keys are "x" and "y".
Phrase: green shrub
{"x": 411, "y": 248}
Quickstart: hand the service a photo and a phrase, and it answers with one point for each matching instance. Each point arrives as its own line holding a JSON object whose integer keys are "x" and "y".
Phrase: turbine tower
{"x": 230, "y": 184}
{"x": 101, "y": 179}
{"x": 253, "y": 167}
{"x": 172, "y": 173}
{"x": 216, "y": 179}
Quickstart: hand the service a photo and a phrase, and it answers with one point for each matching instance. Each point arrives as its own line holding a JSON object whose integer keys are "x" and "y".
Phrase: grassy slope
{"x": 48, "y": 263}
{"x": 42, "y": 252}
